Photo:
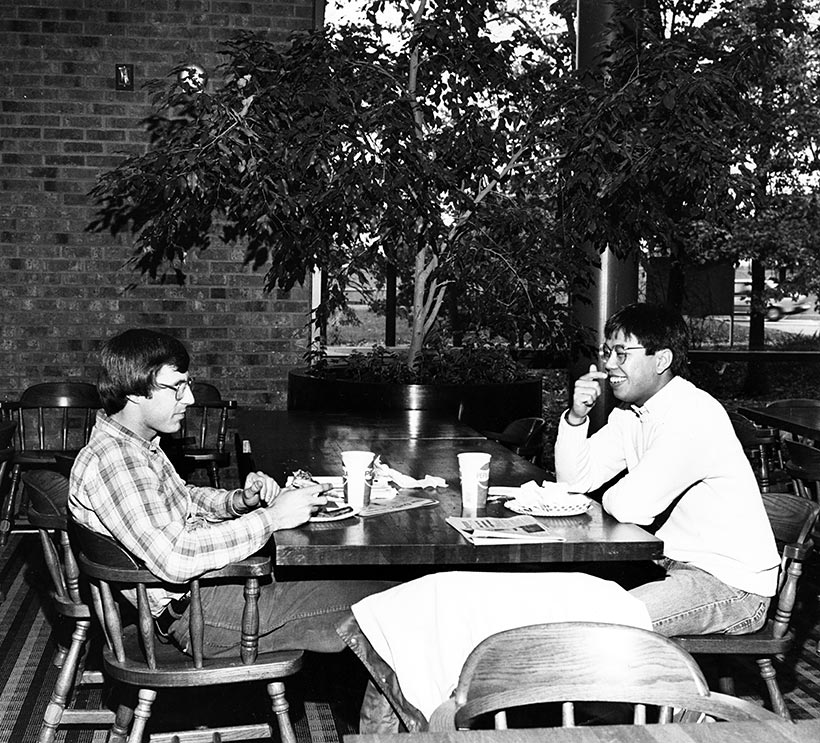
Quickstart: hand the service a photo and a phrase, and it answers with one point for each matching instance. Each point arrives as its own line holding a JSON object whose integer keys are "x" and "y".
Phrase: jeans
{"x": 690, "y": 601}
{"x": 298, "y": 615}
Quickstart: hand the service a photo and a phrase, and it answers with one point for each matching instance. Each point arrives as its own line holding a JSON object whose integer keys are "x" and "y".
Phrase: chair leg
{"x": 768, "y": 674}
{"x": 764, "y": 470}
{"x": 279, "y": 704}
{"x": 213, "y": 472}
{"x": 122, "y": 722}
{"x": 7, "y": 512}
{"x": 62, "y": 649}
{"x": 65, "y": 682}
{"x": 141, "y": 714}
{"x": 726, "y": 684}
{"x": 59, "y": 656}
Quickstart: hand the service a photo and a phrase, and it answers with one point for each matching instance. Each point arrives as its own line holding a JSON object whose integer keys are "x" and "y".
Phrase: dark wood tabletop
{"x": 799, "y": 420}
{"x": 805, "y": 731}
{"x": 421, "y": 536}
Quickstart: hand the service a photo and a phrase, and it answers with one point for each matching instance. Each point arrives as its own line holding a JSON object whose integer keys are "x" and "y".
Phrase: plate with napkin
{"x": 548, "y": 499}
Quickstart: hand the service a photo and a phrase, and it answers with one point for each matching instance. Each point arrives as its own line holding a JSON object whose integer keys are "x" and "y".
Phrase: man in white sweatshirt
{"x": 683, "y": 475}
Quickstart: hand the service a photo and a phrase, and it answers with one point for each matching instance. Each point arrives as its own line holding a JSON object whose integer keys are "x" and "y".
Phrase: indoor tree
{"x": 421, "y": 149}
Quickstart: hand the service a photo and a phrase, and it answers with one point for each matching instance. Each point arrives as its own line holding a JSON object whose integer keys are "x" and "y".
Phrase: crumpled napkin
{"x": 405, "y": 481}
{"x": 548, "y": 494}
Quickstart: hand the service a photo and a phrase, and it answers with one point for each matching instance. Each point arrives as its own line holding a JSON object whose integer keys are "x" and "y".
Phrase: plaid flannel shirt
{"x": 125, "y": 486}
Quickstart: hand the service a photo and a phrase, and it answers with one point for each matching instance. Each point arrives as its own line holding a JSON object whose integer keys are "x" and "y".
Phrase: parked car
{"x": 790, "y": 304}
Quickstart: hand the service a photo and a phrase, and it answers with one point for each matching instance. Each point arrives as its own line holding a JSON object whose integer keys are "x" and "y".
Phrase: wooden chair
{"x": 201, "y": 443}
{"x": 792, "y": 519}
{"x": 571, "y": 662}
{"x": 5, "y": 458}
{"x": 52, "y": 418}
{"x": 762, "y": 447}
{"x": 134, "y": 656}
{"x": 524, "y": 436}
{"x": 48, "y": 493}
{"x": 7, "y": 431}
{"x": 803, "y": 466}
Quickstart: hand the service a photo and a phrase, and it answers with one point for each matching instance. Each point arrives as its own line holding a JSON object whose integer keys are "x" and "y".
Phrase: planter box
{"x": 483, "y": 406}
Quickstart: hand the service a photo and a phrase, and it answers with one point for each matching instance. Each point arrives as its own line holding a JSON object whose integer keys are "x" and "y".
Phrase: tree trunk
{"x": 676, "y": 286}
{"x": 757, "y": 380}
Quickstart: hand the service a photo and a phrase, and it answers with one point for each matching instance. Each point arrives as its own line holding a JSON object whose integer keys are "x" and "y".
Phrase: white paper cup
{"x": 474, "y": 470}
{"x": 358, "y": 477}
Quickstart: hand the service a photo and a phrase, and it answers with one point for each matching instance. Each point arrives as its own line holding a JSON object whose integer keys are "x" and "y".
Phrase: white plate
{"x": 563, "y": 509}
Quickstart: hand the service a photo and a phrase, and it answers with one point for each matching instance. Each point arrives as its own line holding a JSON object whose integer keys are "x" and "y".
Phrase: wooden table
{"x": 805, "y": 731}
{"x": 799, "y": 420}
{"x": 418, "y": 446}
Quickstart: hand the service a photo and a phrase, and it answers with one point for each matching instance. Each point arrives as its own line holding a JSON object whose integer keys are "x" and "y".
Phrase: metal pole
{"x": 616, "y": 284}
{"x": 390, "y": 306}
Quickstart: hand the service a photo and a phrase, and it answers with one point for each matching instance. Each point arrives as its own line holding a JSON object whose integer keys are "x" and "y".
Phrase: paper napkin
{"x": 405, "y": 481}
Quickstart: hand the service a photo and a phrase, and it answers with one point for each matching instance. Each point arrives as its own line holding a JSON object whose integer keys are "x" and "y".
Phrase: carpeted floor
{"x": 323, "y": 698}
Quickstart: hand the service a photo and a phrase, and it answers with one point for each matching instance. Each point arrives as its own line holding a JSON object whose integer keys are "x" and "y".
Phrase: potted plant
{"x": 417, "y": 151}
{"x": 480, "y": 384}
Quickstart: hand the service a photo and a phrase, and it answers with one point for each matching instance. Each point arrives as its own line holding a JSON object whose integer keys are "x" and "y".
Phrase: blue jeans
{"x": 690, "y": 601}
{"x": 298, "y": 615}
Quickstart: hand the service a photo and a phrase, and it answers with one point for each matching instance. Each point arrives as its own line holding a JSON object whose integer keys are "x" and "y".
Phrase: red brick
{"x": 62, "y": 123}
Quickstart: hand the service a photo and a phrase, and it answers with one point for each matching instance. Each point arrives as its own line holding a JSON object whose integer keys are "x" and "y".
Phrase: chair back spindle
{"x": 201, "y": 441}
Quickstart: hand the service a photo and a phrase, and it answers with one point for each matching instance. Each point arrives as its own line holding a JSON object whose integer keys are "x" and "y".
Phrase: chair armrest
{"x": 106, "y": 559}
{"x": 797, "y": 551}
{"x": 255, "y": 566}
{"x": 41, "y": 520}
{"x": 443, "y": 717}
{"x": 724, "y": 706}
{"x": 117, "y": 574}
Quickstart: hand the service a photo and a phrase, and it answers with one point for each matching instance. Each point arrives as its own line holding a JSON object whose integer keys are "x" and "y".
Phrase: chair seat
{"x": 177, "y": 668}
{"x": 762, "y": 642}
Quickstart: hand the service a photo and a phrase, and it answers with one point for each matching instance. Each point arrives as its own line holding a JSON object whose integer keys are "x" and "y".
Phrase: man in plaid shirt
{"x": 124, "y": 486}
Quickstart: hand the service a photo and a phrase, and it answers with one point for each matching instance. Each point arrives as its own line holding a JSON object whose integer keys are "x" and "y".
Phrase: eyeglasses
{"x": 179, "y": 387}
{"x": 605, "y": 352}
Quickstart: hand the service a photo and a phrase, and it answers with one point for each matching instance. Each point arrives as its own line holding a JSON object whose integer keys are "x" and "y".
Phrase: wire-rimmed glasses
{"x": 179, "y": 388}
{"x": 620, "y": 351}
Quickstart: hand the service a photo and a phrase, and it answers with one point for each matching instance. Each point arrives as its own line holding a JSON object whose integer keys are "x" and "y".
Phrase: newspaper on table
{"x": 401, "y": 502}
{"x": 515, "y": 530}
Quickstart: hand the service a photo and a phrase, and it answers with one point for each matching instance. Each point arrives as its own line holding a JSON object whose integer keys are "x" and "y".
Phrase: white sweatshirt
{"x": 680, "y": 444}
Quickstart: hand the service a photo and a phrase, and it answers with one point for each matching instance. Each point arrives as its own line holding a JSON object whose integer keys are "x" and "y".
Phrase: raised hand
{"x": 585, "y": 394}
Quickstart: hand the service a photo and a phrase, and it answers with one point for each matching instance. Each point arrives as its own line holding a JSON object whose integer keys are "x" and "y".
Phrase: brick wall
{"x": 62, "y": 290}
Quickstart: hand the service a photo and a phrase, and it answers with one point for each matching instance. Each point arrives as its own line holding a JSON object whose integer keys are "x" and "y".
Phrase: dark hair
{"x": 656, "y": 326}
{"x": 130, "y": 362}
